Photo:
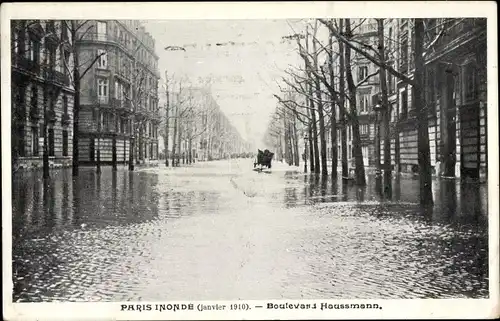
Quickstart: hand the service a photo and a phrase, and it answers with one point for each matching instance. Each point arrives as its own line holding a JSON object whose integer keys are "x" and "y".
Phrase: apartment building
{"x": 41, "y": 93}
{"x": 455, "y": 94}
{"x": 119, "y": 94}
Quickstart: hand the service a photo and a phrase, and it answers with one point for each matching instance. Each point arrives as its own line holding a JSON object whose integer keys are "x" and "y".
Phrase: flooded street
{"x": 219, "y": 230}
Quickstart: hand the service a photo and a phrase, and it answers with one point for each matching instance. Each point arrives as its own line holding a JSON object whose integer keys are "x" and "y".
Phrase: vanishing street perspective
{"x": 249, "y": 159}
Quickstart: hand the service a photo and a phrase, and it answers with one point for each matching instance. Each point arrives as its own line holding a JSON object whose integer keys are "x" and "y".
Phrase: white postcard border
{"x": 411, "y": 309}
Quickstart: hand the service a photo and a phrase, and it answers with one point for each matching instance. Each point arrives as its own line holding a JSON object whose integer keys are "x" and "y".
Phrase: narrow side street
{"x": 219, "y": 230}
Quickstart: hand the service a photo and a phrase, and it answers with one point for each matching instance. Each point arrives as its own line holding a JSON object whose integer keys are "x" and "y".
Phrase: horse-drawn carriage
{"x": 264, "y": 158}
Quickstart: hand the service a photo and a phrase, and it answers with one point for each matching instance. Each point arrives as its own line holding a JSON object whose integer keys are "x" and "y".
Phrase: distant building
{"x": 204, "y": 131}
{"x": 119, "y": 95}
{"x": 42, "y": 96}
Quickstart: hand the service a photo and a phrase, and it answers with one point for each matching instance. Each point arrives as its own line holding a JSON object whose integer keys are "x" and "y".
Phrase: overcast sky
{"x": 243, "y": 58}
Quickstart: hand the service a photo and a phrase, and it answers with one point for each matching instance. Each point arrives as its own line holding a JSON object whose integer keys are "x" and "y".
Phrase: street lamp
{"x": 306, "y": 139}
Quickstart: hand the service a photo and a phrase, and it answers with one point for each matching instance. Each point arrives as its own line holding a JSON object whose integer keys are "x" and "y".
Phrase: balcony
{"x": 56, "y": 76}
{"x": 28, "y": 65}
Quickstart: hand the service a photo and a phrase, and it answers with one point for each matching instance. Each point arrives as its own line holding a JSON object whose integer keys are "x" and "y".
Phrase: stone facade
{"x": 42, "y": 95}
{"x": 119, "y": 94}
{"x": 455, "y": 94}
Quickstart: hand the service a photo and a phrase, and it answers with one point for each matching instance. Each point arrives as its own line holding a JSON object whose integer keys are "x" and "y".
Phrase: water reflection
{"x": 151, "y": 235}
{"x": 464, "y": 203}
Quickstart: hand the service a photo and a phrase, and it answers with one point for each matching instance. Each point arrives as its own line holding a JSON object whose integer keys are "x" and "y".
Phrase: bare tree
{"x": 77, "y": 31}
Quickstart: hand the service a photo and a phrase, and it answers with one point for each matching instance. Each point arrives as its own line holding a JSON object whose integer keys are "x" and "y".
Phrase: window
{"x": 50, "y": 101}
{"x": 364, "y": 105}
{"x": 102, "y": 62}
{"x": 364, "y": 129}
{"x": 18, "y": 136}
{"x": 470, "y": 83}
{"x": 34, "y": 141}
{"x": 51, "y": 142}
{"x": 15, "y": 40}
{"x": 430, "y": 90}
{"x": 34, "y": 51}
{"x": 101, "y": 30}
{"x": 362, "y": 72}
{"x": 404, "y": 104}
{"x": 65, "y": 105}
{"x": 65, "y": 142}
{"x": 117, "y": 89}
{"x": 34, "y": 97}
{"x": 364, "y": 150}
{"x": 389, "y": 42}
{"x": 64, "y": 31}
{"x": 102, "y": 93}
{"x": 394, "y": 112}
{"x": 51, "y": 56}
{"x": 66, "y": 62}
{"x": 403, "y": 55}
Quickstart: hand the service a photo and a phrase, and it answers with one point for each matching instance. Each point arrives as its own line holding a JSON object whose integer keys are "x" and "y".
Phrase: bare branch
{"x": 368, "y": 56}
{"x": 91, "y": 64}
{"x": 367, "y": 78}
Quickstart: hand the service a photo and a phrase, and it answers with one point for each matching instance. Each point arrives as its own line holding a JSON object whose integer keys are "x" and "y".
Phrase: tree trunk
{"x": 314, "y": 134}
{"x": 345, "y": 168}
{"x": 76, "y": 111}
{"x": 296, "y": 142}
{"x": 189, "y": 153}
{"x": 315, "y": 147}
{"x": 290, "y": 146}
{"x": 174, "y": 140}
{"x": 311, "y": 146}
{"x": 166, "y": 132}
{"x": 167, "y": 109}
{"x": 179, "y": 141}
{"x": 98, "y": 152}
{"x": 385, "y": 114}
{"x": 131, "y": 148}
{"x": 322, "y": 134}
{"x": 424, "y": 161}
{"x": 285, "y": 136}
{"x": 113, "y": 147}
{"x": 45, "y": 158}
{"x": 358, "y": 154}
{"x": 333, "y": 115}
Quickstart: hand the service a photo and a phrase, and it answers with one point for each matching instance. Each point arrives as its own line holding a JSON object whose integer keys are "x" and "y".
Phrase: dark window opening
{"x": 65, "y": 142}
{"x": 20, "y": 140}
{"x": 404, "y": 104}
{"x": 34, "y": 141}
{"x": 51, "y": 142}
{"x": 65, "y": 105}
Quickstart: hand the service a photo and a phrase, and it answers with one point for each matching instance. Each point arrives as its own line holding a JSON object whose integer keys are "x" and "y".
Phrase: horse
{"x": 264, "y": 158}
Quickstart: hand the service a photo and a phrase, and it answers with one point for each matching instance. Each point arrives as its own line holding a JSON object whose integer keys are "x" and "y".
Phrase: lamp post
{"x": 306, "y": 139}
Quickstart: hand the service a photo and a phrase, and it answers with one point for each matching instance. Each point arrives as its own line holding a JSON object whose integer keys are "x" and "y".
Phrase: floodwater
{"x": 219, "y": 230}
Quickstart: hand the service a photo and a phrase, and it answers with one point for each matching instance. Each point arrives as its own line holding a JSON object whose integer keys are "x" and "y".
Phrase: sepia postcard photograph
{"x": 268, "y": 160}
